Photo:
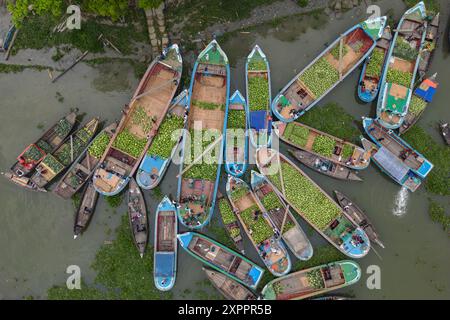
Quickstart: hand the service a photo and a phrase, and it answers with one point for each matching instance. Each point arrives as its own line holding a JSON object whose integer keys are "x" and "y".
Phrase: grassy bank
{"x": 15, "y": 68}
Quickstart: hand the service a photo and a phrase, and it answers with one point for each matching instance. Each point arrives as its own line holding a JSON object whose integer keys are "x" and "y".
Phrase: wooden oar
{"x": 341, "y": 46}
{"x": 200, "y": 156}
{"x": 151, "y": 90}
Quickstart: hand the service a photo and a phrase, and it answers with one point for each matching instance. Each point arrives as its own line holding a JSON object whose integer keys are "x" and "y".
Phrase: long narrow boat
{"x": 358, "y": 217}
{"x": 228, "y": 287}
{"x": 221, "y": 258}
{"x": 137, "y": 214}
{"x": 404, "y": 164}
{"x": 423, "y": 95}
{"x": 372, "y": 70}
{"x": 199, "y": 175}
{"x": 22, "y": 181}
{"x": 55, "y": 163}
{"x": 236, "y": 143}
{"x": 85, "y": 210}
{"x": 313, "y": 204}
{"x": 258, "y": 227}
{"x": 400, "y": 73}
{"x": 430, "y": 45}
{"x": 85, "y": 165}
{"x": 230, "y": 223}
{"x": 140, "y": 123}
{"x": 48, "y": 143}
{"x": 445, "y": 131}
{"x": 165, "y": 252}
{"x": 160, "y": 153}
{"x": 325, "y": 166}
{"x": 259, "y": 97}
{"x": 281, "y": 217}
{"x": 329, "y": 69}
{"x": 322, "y": 144}
{"x": 314, "y": 281}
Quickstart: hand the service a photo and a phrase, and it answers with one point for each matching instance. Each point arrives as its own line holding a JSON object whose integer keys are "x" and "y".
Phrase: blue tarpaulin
{"x": 258, "y": 120}
{"x": 164, "y": 264}
{"x": 426, "y": 95}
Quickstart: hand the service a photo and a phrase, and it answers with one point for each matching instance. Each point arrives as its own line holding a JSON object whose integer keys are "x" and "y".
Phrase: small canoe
{"x": 406, "y": 165}
{"x": 358, "y": 217}
{"x": 431, "y": 43}
{"x": 163, "y": 148}
{"x": 259, "y": 97}
{"x": 445, "y": 131}
{"x": 22, "y": 181}
{"x": 83, "y": 168}
{"x": 322, "y": 144}
{"x": 85, "y": 210}
{"x": 399, "y": 75}
{"x": 137, "y": 214}
{"x": 372, "y": 70}
{"x": 228, "y": 287}
{"x": 422, "y": 96}
{"x": 199, "y": 176}
{"x": 281, "y": 217}
{"x": 236, "y": 143}
{"x": 313, "y": 281}
{"x": 56, "y": 162}
{"x": 316, "y": 207}
{"x": 48, "y": 143}
{"x": 325, "y": 166}
{"x": 221, "y": 258}
{"x": 140, "y": 122}
{"x": 258, "y": 227}
{"x": 231, "y": 223}
{"x": 165, "y": 252}
{"x": 328, "y": 69}
{"x": 326, "y": 298}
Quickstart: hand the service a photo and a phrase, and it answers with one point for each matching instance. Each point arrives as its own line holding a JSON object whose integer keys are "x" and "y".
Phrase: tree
{"x": 22, "y": 8}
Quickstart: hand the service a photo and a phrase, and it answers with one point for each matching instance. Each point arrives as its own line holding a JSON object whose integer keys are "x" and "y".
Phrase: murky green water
{"x": 36, "y": 233}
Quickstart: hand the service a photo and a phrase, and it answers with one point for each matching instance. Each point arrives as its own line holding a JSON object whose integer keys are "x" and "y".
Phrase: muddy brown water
{"x": 36, "y": 229}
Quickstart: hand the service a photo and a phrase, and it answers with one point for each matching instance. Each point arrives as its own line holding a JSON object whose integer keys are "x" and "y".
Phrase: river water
{"x": 36, "y": 233}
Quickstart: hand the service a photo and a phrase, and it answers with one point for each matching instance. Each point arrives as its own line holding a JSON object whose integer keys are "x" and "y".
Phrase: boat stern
{"x": 357, "y": 244}
{"x": 185, "y": 238}
{"x": 351, "y": 271}
{"x": 374, "y": 27}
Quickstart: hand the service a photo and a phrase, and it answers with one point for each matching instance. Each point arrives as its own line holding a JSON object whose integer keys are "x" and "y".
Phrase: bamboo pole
{"x": 71, "y": 148}
{"x": 71, "y": 66}
{"x": 151, "y": 90}
{"x": 8, "y": 52}
{"x": 341, "y": 47}
{"x": 284, "y": 219}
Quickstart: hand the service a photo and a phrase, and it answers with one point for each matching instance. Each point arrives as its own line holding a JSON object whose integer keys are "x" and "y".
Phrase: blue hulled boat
{"x": 236, "y": 143}
{"x": 329, "y": 69}
{"x": 163, "y": 148}
{"x": 165, "y": 252}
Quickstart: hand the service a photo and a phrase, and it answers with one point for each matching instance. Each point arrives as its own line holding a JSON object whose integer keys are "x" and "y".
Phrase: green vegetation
{"x": 258, "y": 93}
{"x": 347, "y": 151}
{"x": 70, "y": 151}
{"x": 315, "y": 279}
{"x": 52, "y": 163}
{"x": 375, "y": 65}
{"x": 302, "y": 3}
{"x": 140, "y": 118}
{"x": 99, "y": 145}
{"x": 15, "y": 68}
{"x": 236, "y": 119}
{"x": 208, "y": 105}
{"x": 163, "y": 143}
{"x": 324, "y": 146}
{"x": 257, "y": 65}
{"x": 239, "y": 192}
{"x": 437, "y": 180}
{"x": 270, "y": 201}
{"x": 320, "y": 77}
{"x": 129, "y": 143}
{"x": 437, "y": 214}
{"x": 416, "y": 105}
{"x": 226, "y": 212}
{"x": 432, "y": 6}
{"x": 217, "y": 231}
{"x": 121, "y": 273}
{"x": 403, "y": 50}
{"x": 115, "y": 201}
{"x": 260, "y": 229}
{"x": 399, "y": 77}
{"x": 296, "y": 134}
{"x": 32, "y": 154}
{"x": 336, "y": 49}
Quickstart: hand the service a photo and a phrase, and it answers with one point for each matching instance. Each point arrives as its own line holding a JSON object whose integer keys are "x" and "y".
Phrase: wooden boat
{"x": 372, "y": 70}
{"x": 48, "y": 143}
{"x": 228, "y": 287}
{"x": 230, "y": 223}
{"x": 400, "y": 73}
{"x": 199, "y": 175}
{"x": 236, "y": 143}
{"x": 423, "y": 95}
{"x": 396, "y": 157}
{"x": 313, "y": 204}
{"x": 281, "y": 217}
{"x": 56, "y": 162}
{"x": 259, "y": 96}
{"x": 358, "y": 217}
{"x": 312, "y": 140}
{"x": 159, "y": 156}
{"x": 140, "y": 123}
{"x": 329, "y": 69}
{"x": 165, "y": 252}
{"x": 314, "y": 281}
{"x": 221, "y": 258}
{"x": 326, "y": 298}
{"x": 258, "y": 227}
{"x": 83, "y": 168}
{"x": 85, "y": 210}
{"x": 445, "y": 130}
{"x": 325, "y": 166}
{"x": 22, "y": 181}
{"x": 137, "y": 213}
{"x": 430, "y": 45}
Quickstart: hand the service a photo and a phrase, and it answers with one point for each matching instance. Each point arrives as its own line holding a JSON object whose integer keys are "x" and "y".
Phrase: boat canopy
{"x": 426, "y": 90}
{"x": 255, "y": 274}
{"x": 393, "y": 165}
{"x": 258, "y": 120}
{"x": 397, "y": 98}
{"x": 164, "y": 265}
{"x": 150, "y": 162}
